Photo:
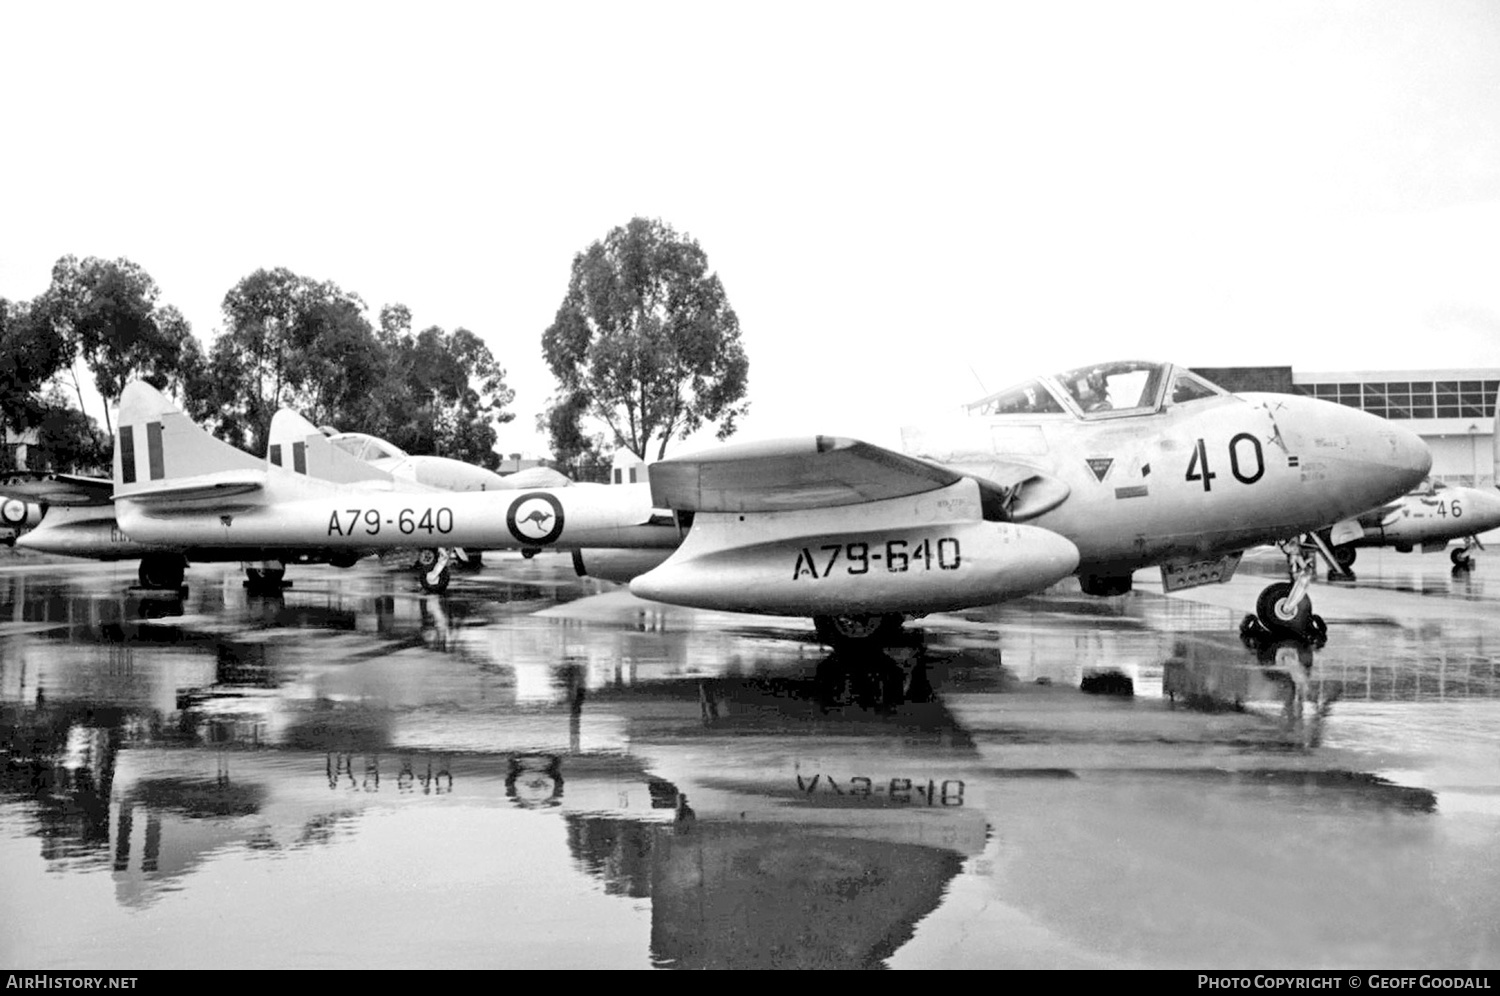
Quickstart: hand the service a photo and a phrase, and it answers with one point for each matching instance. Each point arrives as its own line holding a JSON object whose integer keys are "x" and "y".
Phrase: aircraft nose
{"x": 1410, "y": 458}
{"x": 1370, "y": 460}
{"x": 1483, "y": 505}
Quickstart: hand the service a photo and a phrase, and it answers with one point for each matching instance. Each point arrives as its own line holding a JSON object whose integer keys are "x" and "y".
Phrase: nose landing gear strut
{"x": 1284, "y": 609}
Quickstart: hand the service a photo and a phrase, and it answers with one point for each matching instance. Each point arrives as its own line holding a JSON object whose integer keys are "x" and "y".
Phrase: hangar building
{"x": 1452, "y": 410}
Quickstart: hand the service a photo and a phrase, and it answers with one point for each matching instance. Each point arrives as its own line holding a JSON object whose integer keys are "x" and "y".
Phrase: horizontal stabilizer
{"x": 58, "y": 489}
{"x": 223, "y": 484}
{"x": 790, "y": 474}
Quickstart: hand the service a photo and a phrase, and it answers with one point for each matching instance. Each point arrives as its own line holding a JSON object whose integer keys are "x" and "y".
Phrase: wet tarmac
{"x": 539, "y": 771}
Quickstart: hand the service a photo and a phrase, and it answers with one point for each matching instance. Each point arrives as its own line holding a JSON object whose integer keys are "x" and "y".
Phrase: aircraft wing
{"x": 827, "y": 471}
{"x": 58, "y": 489}
{"x": 790, "y": 474}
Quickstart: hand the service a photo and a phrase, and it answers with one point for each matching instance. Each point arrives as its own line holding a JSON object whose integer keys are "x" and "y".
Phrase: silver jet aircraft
{"x": 157, "y": 447}
{"x": 1125, "y": 465}
{"x": 1428, "y": 518}
{"x": 175, "y": 484}
{"x": 179, "y": 495}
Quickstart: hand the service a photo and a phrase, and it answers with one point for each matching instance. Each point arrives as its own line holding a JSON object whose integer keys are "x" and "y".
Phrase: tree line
{"x": 645, "y": 349}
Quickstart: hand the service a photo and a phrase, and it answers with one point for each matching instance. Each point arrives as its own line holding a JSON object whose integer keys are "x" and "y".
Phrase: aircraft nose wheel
{"x": 1461, "y": 558}
{"x": 433, "y": 573}
{"x": 1255, "y": 634}
{"x": 1276, "y": 616}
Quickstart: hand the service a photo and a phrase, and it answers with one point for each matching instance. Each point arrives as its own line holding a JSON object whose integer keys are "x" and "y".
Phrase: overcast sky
{"x": 904, "y": 202}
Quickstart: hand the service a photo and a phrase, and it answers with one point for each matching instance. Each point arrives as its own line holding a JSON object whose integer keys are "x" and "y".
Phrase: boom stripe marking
{"x": 153, "y": 451}
{"x": 127, "y": 454}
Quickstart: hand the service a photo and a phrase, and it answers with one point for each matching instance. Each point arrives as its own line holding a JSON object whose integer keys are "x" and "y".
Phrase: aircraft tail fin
{"x": 301, "y": 447}
{"x": 161, "y": 455}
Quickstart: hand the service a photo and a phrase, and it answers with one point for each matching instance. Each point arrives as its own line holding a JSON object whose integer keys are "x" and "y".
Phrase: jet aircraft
{"x": 1430, "y": 517}
{"x": 180, "y": 495}
{"x": 183, "y": 493}
{"x": 1122, "y": 466}
{"x": 76, "y": 516}
{"x": 1427, "y": 519}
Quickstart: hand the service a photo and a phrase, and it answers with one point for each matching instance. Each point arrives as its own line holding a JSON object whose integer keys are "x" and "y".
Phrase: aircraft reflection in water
{"x": 768, "y": 819}
{"x": 746, "y": 870}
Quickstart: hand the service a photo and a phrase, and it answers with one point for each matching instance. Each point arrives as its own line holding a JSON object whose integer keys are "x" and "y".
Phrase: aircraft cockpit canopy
{"x": 1128, "y": 387}
{"x": 365, "y": 447}
{"x": 1031, "y": 398}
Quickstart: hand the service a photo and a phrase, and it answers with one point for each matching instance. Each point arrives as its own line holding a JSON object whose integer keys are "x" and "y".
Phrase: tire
{"x": 857, "y": 631}
{"x": 435, "y": 587}
{"x": 1317, "y": 627}
{"x": 1460, "y": 558}
{"x": 1271, "y": 609}
{"x": 162, "y": 571}
{"x": 1344, "y": 556}
{"x": 426, "y": 558}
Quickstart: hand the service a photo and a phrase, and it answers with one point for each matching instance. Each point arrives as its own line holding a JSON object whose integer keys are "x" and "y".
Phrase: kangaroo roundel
{"x": 535, "y": 518}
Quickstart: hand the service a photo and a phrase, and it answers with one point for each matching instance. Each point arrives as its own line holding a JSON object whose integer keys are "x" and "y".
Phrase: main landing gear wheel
{"x": 856, "y": 632}
{"x": 434, "y": 568}
{"x": 1281, "y": 617}
{"x": 161, "y": 570}
{"x": 1345, "y": 555}
{"x": 1461, "y": 559}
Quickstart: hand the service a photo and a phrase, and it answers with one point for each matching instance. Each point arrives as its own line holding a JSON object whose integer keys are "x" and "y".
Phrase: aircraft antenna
{"x": 982, "y": 388}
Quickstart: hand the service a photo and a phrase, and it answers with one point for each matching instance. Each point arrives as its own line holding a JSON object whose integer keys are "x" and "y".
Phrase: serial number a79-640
{"x": 367, "y": 521}
{"x": 895, "y": 556}
{"x": 902, "y": 791}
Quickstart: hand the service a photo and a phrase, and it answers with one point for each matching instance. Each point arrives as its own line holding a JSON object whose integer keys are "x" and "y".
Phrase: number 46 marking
{"x": 1197, "y": 469}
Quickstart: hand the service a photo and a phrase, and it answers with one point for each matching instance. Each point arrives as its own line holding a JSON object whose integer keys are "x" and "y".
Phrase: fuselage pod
{"x": 618, "y": 564}
{"x": 923, "y": 568}
{"x": 84, "y": 531}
